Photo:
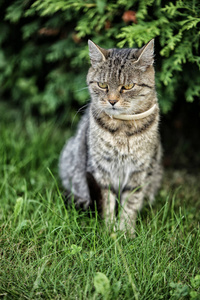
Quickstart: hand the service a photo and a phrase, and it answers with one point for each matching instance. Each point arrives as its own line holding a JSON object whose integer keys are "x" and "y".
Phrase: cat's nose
{"x": 112, "y": 102}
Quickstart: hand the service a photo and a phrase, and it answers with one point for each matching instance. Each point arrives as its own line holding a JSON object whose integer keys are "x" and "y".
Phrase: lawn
{"x": 50, "y": 252}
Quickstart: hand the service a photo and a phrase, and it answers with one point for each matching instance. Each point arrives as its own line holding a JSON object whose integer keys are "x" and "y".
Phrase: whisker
{"x": 97, "y": 112}
{"x": 100, "y": 112}
{"x": 82, "y": 89}
{"x": 80, "y": 109}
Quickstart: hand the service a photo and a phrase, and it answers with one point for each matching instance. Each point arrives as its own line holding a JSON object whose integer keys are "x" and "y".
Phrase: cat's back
{"x": 73, "y": 156}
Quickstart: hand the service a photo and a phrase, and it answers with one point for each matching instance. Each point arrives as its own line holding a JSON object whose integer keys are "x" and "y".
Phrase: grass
{"x": 50, "y": 252}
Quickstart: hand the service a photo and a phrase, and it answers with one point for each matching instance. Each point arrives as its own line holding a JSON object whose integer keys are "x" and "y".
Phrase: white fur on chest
{"x": 121, "y": 173}
{"x": 126, "y": 161}
{"x": 127, "y": 155}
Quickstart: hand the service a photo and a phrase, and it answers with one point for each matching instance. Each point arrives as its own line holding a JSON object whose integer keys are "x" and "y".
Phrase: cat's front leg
{"x": 109, "y": 207}
{"x": 131, "y": 203}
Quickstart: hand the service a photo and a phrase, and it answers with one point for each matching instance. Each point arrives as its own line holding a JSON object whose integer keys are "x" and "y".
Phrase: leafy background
{"x": 44, "y": 59}
{"x": 44, "y": 54}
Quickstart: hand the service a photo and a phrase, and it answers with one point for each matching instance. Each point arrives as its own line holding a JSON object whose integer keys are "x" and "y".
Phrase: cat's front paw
{"x": 127, "y": 227}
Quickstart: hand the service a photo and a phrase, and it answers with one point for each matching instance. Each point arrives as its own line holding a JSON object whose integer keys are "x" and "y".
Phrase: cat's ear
{"x": 97, "y": 54}
{"x": 145, "y": 55}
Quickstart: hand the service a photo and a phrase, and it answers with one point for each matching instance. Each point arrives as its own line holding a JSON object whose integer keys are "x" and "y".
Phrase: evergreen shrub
{"x": 44, "y": 53}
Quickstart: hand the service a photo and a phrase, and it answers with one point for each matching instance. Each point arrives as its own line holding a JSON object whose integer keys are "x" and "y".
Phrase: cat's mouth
{"x": 114, "y": 111}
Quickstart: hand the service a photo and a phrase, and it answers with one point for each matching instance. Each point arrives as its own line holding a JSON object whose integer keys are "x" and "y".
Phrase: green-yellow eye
{"x": 102, "y": 85}
{"x": 128, "y": 86}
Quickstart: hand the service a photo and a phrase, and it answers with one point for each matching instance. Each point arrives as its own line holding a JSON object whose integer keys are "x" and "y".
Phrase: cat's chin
{"x": 115, "y": 112}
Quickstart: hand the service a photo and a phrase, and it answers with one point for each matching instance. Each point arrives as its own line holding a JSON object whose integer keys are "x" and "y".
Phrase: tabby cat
{"x": 115, "y": 156}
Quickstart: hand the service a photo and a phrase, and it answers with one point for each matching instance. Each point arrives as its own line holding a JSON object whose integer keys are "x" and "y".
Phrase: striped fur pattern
{"x": 116, "y": 162}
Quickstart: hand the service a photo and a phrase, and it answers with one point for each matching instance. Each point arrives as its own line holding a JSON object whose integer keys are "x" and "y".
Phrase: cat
{"x": 115, "y": 156}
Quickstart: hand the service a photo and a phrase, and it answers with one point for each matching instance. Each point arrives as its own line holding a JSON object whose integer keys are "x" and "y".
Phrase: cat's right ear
{"x": 97, "y": 54}
{"x": 146, "y": 55}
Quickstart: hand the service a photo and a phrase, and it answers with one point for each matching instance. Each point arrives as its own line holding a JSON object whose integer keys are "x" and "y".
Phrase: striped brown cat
{"x": 115, "y": 156}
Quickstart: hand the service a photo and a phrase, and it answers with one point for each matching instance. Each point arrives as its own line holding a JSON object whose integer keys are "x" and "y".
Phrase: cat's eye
{"x": 128, "y": 86}
{"x": 102, "y": 85}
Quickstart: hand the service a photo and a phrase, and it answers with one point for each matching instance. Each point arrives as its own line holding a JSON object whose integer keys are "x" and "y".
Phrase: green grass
{"x": 50, "y": 252}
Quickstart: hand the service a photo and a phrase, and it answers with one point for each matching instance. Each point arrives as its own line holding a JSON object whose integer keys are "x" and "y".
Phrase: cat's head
{"x": 121, "y": 81}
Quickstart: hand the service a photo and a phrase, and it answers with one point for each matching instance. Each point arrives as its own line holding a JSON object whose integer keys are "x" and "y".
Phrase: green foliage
{"x": 18, "y": 207}
{"x": 44, "y": 54}
{"x": 181, "y": 291}
{"x": 178, "y": 290}
{"x": 102, "y": 284}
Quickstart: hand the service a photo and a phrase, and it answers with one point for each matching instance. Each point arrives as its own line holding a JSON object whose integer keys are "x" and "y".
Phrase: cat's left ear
{"x": 97, "y": 54}
{"x": 146, "y": 55}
